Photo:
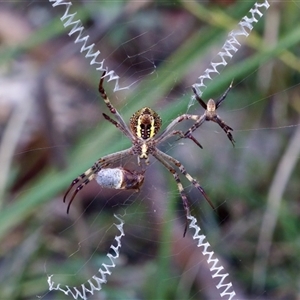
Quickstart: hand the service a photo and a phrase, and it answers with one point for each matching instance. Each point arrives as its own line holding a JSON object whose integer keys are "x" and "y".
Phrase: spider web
{"x": 154, "y": 219}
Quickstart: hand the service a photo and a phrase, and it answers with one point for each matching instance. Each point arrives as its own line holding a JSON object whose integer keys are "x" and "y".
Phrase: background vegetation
{"x": 52, "y": 129}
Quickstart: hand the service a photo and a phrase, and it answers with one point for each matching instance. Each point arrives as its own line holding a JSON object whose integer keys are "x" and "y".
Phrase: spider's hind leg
{"x": 121, "y": 124}
{"x": 199, "y": 99}
{"x": 223, "y": 97}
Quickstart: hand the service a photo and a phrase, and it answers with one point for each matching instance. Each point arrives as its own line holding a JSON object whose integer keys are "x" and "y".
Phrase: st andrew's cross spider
{"x": 144, "y": 126}
{"x": 210, "y": 114}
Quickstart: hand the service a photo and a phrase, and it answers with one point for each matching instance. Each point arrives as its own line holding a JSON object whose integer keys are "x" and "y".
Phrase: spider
{"x": 210, "y": 114}
{"x": 143, "y": 134}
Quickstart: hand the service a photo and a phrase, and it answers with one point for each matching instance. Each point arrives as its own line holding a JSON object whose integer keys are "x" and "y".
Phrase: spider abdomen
{"x": 145, "y": 123}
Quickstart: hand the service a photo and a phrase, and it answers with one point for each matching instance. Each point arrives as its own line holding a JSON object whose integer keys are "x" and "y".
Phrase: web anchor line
{"x": 94, "y": 283}
{"x": 216, "y": 271}
{"x": 230, "y": 47}
{"x": 68, "y": 19}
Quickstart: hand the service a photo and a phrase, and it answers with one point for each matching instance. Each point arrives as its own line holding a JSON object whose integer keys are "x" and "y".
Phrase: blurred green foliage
{"x": 261, "y": 108}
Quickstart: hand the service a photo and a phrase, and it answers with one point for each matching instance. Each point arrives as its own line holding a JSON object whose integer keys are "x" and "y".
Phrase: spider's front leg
{"x": 167, "y": 160}
{"x": 225, "y": 127}
{"x": 126, "y": 180}
{"x": 85, "y": 178}
{"x": 197, "y": 124}
{"x": 183, "y": 196}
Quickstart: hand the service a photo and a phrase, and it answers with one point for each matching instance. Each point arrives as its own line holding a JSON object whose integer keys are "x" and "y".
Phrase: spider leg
{"x": 219, "y": 101}
{"x": 112, "y": 109}
{"x": 201, "y": 102}
{"x": 84, "y": 183}
{"x": 225, "y": 127}
{"x": 199, "y": 120}
{"x": 109, "y": 159}
{"x": 179, "y": 186}
{"x": 76, "y": 180}
{"x": 181, "y": 135}
{"x": 168, "y": 133}
{"x": 118, "y": 125}
{"x": 193, "y": 139}
{"x": 196, "y": 125}
{"x": 91, "y": 173}
{"x": 181, "y": 168}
